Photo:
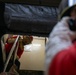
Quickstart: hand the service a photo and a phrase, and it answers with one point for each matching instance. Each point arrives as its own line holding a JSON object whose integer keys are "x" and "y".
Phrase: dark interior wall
{"x": 35, "y": 2}
{"x": 2, "y": 31}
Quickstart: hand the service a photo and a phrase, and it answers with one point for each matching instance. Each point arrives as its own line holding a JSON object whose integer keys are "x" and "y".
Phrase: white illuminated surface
{"x": 36, "y": 45}
{"x": 30, "y": 47}
{"x": 72, "y": 2}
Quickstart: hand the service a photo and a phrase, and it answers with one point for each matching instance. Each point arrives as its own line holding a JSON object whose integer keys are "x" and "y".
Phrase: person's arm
{"x": 11, "y": 40}
{"x": 60, "y": 39}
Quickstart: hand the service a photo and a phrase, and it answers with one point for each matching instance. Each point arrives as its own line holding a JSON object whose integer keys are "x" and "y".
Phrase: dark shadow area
{"x": 30, "y": 72}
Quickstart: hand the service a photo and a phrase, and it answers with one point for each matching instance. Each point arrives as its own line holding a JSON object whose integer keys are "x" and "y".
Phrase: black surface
{"x": 33, "y": 20}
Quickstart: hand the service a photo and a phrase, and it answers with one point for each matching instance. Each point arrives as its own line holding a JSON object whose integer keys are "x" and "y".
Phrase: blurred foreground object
{"x": 61, "y": 46}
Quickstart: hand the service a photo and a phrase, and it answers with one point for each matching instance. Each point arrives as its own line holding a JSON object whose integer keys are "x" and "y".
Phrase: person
{"x": 61, "y": 45}
{"x": 9, "y": 43}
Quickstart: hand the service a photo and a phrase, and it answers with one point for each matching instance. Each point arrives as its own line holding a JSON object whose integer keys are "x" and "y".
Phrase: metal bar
{"x": 10, "y": 54}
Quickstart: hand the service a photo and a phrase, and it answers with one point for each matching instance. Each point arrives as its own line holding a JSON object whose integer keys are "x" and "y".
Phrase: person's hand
{"x": 27, "y": 40}
{"x": 11, "y": 40}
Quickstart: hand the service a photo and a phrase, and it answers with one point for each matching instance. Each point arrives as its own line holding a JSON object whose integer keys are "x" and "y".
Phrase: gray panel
{"x": 30, "y": 19}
